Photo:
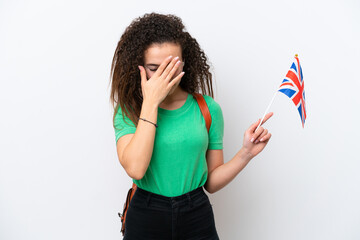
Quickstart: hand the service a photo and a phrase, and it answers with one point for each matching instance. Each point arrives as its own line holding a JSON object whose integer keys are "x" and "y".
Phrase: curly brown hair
{"x": 143, "y": 31}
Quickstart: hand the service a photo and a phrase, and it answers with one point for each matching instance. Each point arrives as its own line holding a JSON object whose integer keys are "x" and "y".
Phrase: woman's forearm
{"x": 137, "y": 154}
{"x": 225, "y": 173}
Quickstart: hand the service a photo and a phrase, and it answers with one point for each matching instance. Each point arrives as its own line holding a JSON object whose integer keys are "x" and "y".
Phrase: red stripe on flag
{"x": 291, "y": 75}
{"x": 286, "y": 83}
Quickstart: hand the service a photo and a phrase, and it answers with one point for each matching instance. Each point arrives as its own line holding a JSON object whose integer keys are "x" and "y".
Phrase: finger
{"x": 162, "y": 66}
{"x": 142, "y": 74}
{"x": 173, "y": 70}
{"x": 267, "y": 116}
{"x": 261, "y": 135}
{"x": 176, "y": 80}
{"x": 265, "y": 138}
{"x": 170, "y": 67}
{"x": 258, "y": 132}
{"x": 254, "y": 126}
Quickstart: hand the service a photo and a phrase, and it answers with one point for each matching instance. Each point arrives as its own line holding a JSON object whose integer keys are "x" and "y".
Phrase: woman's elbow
{"x": 135, "y": 173}
{"x": 207, "y": 189}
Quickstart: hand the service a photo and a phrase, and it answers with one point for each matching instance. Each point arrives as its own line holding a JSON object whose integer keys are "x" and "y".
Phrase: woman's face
{"x": 156, "y": 53}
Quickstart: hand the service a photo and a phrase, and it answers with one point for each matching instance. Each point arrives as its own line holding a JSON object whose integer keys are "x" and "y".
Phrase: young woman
{"x": 161, "y": 138}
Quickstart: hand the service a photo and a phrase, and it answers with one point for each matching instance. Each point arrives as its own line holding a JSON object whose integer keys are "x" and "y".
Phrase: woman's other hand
{"x": 159, "y": 85}
{"x": 255, "y": 142}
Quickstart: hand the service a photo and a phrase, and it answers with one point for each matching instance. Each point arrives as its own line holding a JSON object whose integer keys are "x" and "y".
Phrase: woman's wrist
{"x": 148, "y": 121}
{"x": 149, "y": 112}
{"x": 150, "y": 104}
{"x": 245, "y": 155}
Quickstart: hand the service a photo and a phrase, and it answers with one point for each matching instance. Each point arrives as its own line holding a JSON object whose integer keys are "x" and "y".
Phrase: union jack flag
{"x": 293, "y": 87}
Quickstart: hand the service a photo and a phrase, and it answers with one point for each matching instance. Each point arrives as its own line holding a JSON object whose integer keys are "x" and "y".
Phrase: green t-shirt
{"x": 178, "y": 163}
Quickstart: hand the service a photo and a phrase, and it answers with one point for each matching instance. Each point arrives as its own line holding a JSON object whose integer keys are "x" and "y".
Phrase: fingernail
{"x": 169, "y": 57}
{"x": 252, "y": 140}
{"x": 139, "y": 68}
{"x": 257, "y": 141}
{"x": 176, "y": 57}
{"x": 261, "y": 140}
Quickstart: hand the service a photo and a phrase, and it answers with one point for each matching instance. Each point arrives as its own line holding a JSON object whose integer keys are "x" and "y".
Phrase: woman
{"x": 162, "y": 141}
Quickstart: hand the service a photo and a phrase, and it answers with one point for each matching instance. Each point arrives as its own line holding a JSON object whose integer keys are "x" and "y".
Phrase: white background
{"x": 59, "y": 173}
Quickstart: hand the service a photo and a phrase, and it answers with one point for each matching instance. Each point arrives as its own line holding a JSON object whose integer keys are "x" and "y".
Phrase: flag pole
{"x": 267, "y": 109}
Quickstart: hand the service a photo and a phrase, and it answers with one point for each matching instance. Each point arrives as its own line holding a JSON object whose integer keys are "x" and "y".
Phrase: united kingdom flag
{"x": 293, "y": 87}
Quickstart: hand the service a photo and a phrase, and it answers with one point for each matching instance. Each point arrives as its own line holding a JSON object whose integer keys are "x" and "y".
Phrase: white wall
{"x": 59, "y": 173}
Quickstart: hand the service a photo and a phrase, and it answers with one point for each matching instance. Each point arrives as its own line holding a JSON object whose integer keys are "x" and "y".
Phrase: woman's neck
{"x": 175, "y": 100}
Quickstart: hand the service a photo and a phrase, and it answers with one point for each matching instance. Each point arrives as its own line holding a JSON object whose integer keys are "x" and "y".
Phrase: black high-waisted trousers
{"x": 186, "y": 217}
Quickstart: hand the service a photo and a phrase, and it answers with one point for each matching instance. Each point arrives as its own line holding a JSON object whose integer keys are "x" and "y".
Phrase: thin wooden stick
{"x": 267, "y": 109}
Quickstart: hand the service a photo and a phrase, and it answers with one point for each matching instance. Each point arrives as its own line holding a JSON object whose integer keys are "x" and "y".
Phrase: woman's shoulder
{"x": 214, "y": 107}
{"x": 211, "y": 102}
{"x": 121, "y": 118}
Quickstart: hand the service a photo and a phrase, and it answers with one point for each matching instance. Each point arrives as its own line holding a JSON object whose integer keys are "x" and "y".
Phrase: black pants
{"x": 153, "y": 216}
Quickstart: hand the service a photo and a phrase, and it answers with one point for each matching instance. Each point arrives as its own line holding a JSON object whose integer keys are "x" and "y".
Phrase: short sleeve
{"x": 122, "y": 127}
{"x": 216, "y": 131}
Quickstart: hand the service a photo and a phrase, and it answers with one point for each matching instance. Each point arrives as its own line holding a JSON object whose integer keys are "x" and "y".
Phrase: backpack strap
{"x": 204, "y": 109}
